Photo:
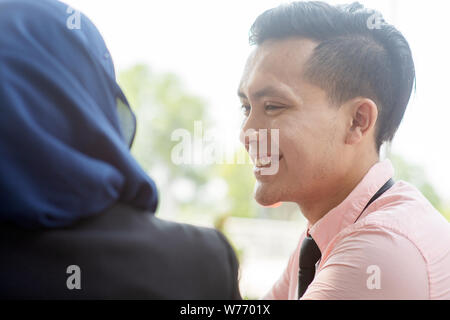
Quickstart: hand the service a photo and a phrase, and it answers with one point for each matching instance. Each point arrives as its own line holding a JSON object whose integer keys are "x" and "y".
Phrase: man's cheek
{"x": 291, "y": 141}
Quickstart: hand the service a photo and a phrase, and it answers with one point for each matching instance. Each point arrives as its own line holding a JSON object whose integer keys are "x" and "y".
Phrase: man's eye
{"x": 273, "y": 108}
{"x": 245, "y": 109}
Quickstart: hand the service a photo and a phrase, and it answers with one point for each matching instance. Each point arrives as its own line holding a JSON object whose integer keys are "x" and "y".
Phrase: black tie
{"x": 309, "y": 255}
{"x": 310, "y": 252}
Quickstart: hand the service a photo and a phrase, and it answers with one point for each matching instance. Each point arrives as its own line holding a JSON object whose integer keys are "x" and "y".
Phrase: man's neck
{"x": 314, "y": 210}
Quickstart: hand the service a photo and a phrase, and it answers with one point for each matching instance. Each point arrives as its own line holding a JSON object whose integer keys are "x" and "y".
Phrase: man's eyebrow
{"x": 266, "y": 91}
{"x": 241, "y": 94}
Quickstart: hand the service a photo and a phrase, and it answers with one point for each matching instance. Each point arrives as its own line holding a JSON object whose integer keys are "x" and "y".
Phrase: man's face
{"x": 274, "y": 95}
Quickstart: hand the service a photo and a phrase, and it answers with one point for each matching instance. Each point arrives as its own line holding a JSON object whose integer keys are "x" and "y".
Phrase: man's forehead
{"x": 278, "y": 59}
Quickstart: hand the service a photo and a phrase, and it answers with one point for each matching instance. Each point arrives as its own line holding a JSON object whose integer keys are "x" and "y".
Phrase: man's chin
{"x": 265, "y": 197}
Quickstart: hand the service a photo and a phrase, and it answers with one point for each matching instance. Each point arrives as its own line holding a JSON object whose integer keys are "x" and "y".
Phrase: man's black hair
{"x": 358, "y": 54}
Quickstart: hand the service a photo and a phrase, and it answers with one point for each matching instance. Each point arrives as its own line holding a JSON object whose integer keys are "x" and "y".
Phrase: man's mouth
{"x": 265, "y": 162}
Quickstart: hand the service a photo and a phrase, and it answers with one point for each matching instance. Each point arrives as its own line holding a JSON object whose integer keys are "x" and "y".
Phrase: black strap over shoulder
{"x": 385, "y": 187}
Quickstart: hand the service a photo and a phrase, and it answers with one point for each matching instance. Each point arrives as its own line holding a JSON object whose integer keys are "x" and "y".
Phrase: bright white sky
{"x": 205, "y": 42}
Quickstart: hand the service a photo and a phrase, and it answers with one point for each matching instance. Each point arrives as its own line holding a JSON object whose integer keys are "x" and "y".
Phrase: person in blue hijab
{"x": 72, "y": 197}
{"x": 64, "y": 153}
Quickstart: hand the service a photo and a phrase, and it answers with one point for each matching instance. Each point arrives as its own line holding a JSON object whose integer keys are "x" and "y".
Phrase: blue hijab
{"x": 65, "y": 125}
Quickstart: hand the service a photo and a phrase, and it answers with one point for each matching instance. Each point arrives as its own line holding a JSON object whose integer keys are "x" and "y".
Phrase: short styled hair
{"x": 358, "y": 54}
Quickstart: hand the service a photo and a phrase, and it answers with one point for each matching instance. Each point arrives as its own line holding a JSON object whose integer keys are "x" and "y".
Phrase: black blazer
{"x": 122, "y": 253}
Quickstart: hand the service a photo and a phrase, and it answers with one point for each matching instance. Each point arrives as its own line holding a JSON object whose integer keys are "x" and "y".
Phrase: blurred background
{"x": 179, "y": 62}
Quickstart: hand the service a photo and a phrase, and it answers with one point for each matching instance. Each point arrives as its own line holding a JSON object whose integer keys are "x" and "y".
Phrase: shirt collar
{"x": 341, "y": 216}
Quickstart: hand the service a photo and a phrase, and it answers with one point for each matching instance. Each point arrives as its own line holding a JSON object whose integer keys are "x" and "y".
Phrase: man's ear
{"x": 362, "y": 115}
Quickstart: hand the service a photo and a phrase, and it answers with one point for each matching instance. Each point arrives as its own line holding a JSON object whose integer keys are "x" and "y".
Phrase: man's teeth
{"x": 263, "y": 162}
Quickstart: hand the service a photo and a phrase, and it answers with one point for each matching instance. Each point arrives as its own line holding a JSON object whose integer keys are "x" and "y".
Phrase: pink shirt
{"x": 398, "y": 249}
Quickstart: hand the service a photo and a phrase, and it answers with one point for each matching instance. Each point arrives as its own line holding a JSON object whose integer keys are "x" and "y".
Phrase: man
{"x": 335, "y": 81}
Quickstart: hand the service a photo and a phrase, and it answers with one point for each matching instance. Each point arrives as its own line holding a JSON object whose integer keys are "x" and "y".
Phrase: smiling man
{"x": 333, "y": 82}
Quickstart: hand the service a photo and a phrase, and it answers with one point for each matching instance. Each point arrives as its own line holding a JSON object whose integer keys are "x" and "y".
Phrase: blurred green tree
{"x": 162, "y": 105}
{"x": 415, "y": 175}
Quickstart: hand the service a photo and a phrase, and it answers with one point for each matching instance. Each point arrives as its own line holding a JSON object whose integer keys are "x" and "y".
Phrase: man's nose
{"x": 249, "y": 132}
{"x": 250, "y": 140}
